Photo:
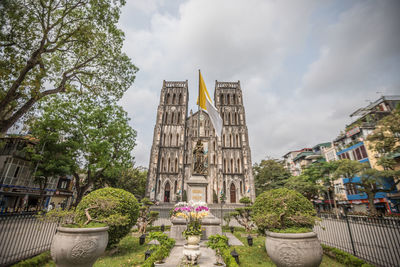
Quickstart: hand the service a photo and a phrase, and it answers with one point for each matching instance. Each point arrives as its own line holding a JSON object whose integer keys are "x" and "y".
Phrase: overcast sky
{"x": 304, "y": 66}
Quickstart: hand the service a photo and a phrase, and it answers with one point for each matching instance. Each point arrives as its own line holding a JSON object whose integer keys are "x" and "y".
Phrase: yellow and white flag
{"x": 204, "y": 102}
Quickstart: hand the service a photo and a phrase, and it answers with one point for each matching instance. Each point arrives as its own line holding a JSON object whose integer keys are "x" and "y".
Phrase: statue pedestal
{"x": 177, "y": 228}
{"x": 192, "y": 253}
{"x": 211, "y": 226}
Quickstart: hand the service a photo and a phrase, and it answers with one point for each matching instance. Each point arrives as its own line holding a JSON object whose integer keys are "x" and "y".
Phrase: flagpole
{"x": 198, "y": 111}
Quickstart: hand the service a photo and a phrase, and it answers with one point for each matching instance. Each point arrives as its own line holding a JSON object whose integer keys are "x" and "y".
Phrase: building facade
{"x": 188, "y": 161}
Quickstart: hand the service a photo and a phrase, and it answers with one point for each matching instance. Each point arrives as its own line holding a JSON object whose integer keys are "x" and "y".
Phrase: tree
{"x": 305, "y": 185}
{"x": 269, "y": 174}
{"x": 53, "y": 46}
{"x": 243, "y": 215}
{"x": 386, "y": 139}
{"x": 94, "y": 135}
{"x": 133, "y": 180}
{"x": 371, "y": 181}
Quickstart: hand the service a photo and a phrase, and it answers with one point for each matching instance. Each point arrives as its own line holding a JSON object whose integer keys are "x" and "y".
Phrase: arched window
{"x": 173, "y": 98}
{"x": 214, "y": 145}
{"x": 230, "y": 140}
{"x": 236, "y": 119}
{"x": 229, "y": 118}
{"x": 165, "y": 139}
{"x": 214, "y": 161}
{"x": 170, "y": 140}
{"x": 222, "y": 99}
{"x": 179, "y": 118}
{"x": 225, "y": 166}
{"x": 177, "y": 139}
{"x": 237, "y": 141}
{"x": 172, "y": 117}
{"x": 167, "y": 99}
{"x": 234, "y": 99}
{"x": 186, "y": 159}
{"x": 224, "y": 188}
{"x": 162, "y": 165}
{"x": 169, "y": 165}
{"x": 176, "y": 165}
{"x": 232, "y": 170}
{"x": 228, "y": 99}
{"x": 223, "y": 140}
{"x": 238, "y": 166}
{"x": 166, "y": 117}
{"x": 175, "y": 186}
{"x": 241, "y": 187}
{"x": 180, "y": 99}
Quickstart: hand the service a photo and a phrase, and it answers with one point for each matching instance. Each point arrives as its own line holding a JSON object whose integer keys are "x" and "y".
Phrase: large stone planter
{"x": 78, "y": 247}
{"x": 300, "y": 250}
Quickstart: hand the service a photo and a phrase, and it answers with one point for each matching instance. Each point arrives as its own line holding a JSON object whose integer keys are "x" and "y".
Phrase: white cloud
{"x": 303, "y": 65}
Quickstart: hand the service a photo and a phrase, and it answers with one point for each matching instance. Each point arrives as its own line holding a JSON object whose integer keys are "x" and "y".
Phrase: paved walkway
{"x": 232, "y": 240}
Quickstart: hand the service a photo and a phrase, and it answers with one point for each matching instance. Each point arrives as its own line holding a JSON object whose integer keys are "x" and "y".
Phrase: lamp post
{"x": 222, "y": 199}
{"x": 142, "y": 239}
{"x": 235, "y": 255}
{"x": 250, "y": 240}
{"x": 147, "y": 254}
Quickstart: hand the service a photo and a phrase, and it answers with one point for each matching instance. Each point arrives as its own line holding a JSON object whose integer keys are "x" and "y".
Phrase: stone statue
{"x": 199, "y": 159}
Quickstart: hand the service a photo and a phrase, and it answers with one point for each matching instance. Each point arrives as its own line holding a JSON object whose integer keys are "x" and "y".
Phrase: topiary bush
{"x": 280, "y": 209}
{"x": 126, "y": 209}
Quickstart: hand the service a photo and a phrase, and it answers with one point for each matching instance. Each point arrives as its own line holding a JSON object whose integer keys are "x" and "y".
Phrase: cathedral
{"x": 188, "y": 161}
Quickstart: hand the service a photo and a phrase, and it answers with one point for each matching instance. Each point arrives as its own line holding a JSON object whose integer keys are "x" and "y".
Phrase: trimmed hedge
{"x": 36, "y": 261}
{"x": 228, "y": 259}
{"x": 162, "y": 250}
{"x": 126, "y": 205}
{"x": 344, "y": 257}
{"x": 281, "y": 209}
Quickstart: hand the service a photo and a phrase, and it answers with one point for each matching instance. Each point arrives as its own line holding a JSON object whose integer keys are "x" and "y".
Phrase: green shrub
{"x": 219, "y": 243}
{"x": 126, "y": 209}
{"x": 228, "y": 259}
{"x": 160, "y": 252}
{"x": 344, "y": 257}
{"x": 281, "y": 209}
{"x": 36, "y": 261}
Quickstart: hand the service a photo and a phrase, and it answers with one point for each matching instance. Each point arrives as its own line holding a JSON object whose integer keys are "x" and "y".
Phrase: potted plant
{"x": 99, "y": 220}
{"x": 287, "y": 218}
{"x": 193, "y": 212}
{"x": 218, "y": 243}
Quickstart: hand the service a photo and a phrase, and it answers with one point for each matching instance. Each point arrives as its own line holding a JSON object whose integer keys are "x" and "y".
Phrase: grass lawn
{"x": 130, "y": 253}
{"x": 256, "y": 256}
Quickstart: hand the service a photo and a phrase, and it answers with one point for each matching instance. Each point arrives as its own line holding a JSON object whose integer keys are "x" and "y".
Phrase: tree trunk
{"x": 372, "y": 209}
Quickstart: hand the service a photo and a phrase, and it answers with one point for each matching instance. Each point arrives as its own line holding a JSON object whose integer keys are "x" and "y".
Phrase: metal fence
{"x": 23, "y": 236}
{"x": 375, "y": 240}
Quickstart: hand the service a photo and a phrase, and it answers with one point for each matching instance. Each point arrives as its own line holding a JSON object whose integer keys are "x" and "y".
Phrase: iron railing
{"x": 23, "y": 236}
{"x": 373, "y": 239}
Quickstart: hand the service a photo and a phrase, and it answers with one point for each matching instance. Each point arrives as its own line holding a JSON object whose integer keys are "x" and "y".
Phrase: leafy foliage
{"x": 36, "y": 261}
{"x": 386, "y": 139}
{"x": 132, "y": 180}
{"x": 269, "y": 174}
{"x": 283, "y": 208}
{"x": 219, "y": 243}
{"x": 343, "y": 257}
{"x": 51, "y": 47}
{"x": 160, "y": 252}
{"x": 126, "y": 206}
{"x": 89, "y": 139}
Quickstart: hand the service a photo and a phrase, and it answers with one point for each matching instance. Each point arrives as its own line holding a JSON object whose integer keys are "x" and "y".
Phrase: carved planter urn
{"x": 78, "y": 247}
{"x": 297, "y": 249}
{"x": 193, "y": 239}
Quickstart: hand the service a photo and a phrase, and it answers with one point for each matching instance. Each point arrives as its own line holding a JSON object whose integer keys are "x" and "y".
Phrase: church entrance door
{"x": 167, "y": 192}
{"x": 233, "y": 193}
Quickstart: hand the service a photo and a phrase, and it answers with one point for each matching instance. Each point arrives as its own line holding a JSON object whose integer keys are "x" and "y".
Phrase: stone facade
{"x": 187, "y": 155}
